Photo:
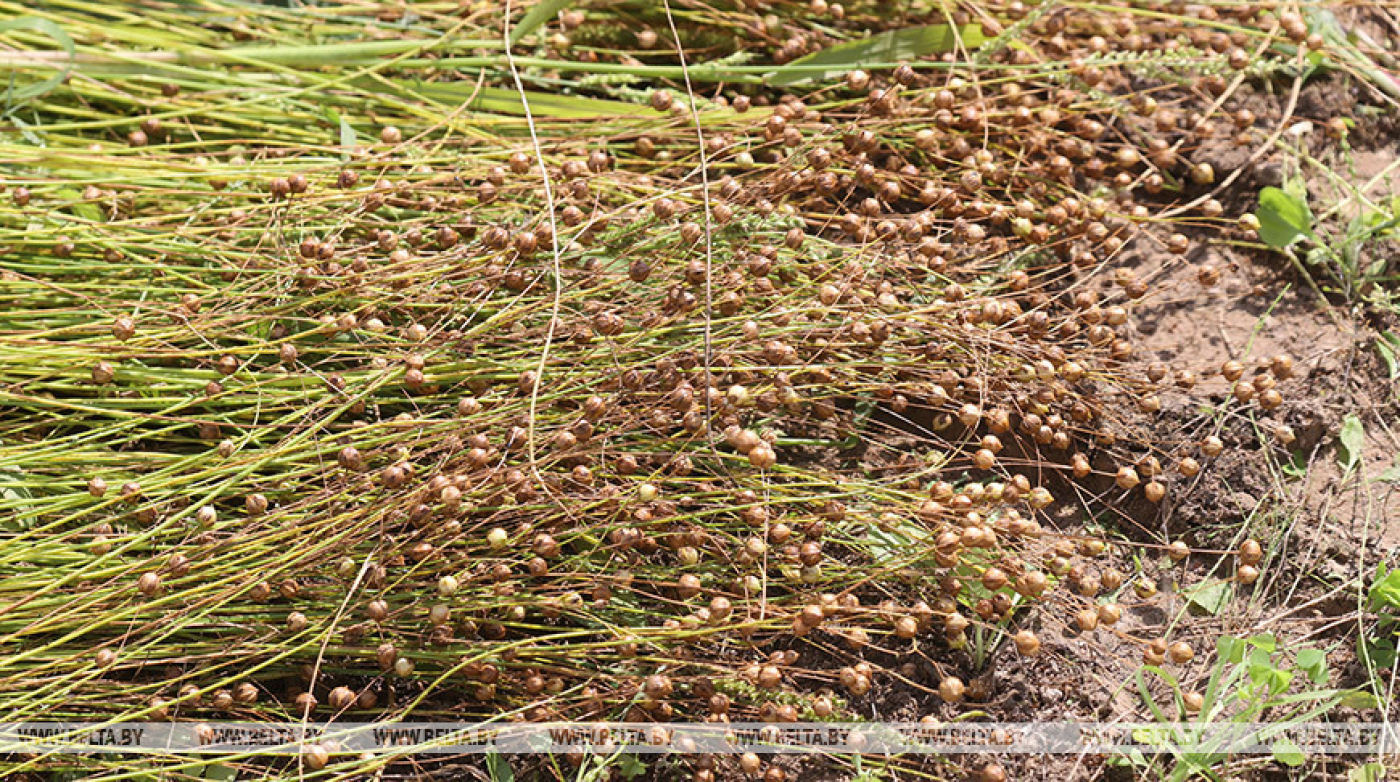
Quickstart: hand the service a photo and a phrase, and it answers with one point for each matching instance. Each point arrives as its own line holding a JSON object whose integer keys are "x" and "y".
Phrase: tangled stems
{"x": 276, "y": 424}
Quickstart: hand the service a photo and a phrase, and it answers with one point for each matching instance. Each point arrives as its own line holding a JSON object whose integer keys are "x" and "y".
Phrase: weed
{"x": 1252, "y": 682}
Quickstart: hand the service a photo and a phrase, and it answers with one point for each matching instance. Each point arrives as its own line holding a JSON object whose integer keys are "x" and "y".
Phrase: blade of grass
{"x": 910, "y": 43}
{"x": 542, "y": 12}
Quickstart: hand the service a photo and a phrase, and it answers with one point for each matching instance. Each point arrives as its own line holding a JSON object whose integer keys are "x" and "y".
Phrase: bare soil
{"x": 1328, "y": 529}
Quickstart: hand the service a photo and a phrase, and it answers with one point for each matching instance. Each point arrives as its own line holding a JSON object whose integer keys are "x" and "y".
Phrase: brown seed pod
{"x": 1212, "y": 446}
{"x": 1192, "y": 702}
{"x": 305, "y": 703}
{"x": 103, "y": 373}
{"x": 1032, "y": 584}
{"x": 341, "y": 698}
{"x": 769, "y": 677}
{"x": 123, "y": 328}
{"x": 951, "y": 689}
{"x": 1109, "y": 614}
{"x": 906, "y": 627}
{"x": 149, "y": 584}
{"x": 315, "y": 756}
{"x": 545, "y": 546}
{"x": 245, "y": 693}
{"x": 1270, "y": 399}
{"x": 762, "y": 456}
{"x": 1250, "y": 552}
{"x": 1188, "y": 467}
{"x": 994, "y": 578}
{"x": 1079, "y": 464}
{"x": 350, "y": 458}
{"x": 386, "y": 655}
{"x": 377, "y": 610}
{"x": 657, "y": 687}
{"x": 1126, "y": 478}
{"x": 1027, "y": 643}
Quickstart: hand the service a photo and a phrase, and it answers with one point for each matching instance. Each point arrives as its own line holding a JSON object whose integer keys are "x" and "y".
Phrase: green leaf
{"x": 1210, "y": 597}
{"x": 1297, "y": 467}
{"x": 38, "y": 25}
{"x": 84, "y": 209}
{"x": 1271, "y": 678}
{"x": 1313, "y": 662}
{"x": 348, "y": 139}
{"x": 498, "y": 768}
{"x": 1350, "y": 442}
{"x": 910, "y": 43}
{"x": 24, "y": 130}
{"x": 1283, "y": 218}
{"x": 1388, "y": 345}
{"x": 1265, "y": 641}
{"x": 542, "y": 12}
{"x": 1262, "y": 670}
{"x": 1385, "y": 592}
{"x": 1230, "y": 648}
{"x": 898, "y": 543}
{"x": 16, "y": 497}
{"x": 1360, "y": 699}
{"x": 1260, "y": 661}
{"x": 221, "y": 772}
{"x": 631, "y": 766}
{"x": 1378, "y": 652}
{"x": 1391, "y": 475}
{"x": 1133, "y": 758}
{"x": 1366, "y": 772}
{"x": 499, "y": 100}
{"x": 1287, "y": 753}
